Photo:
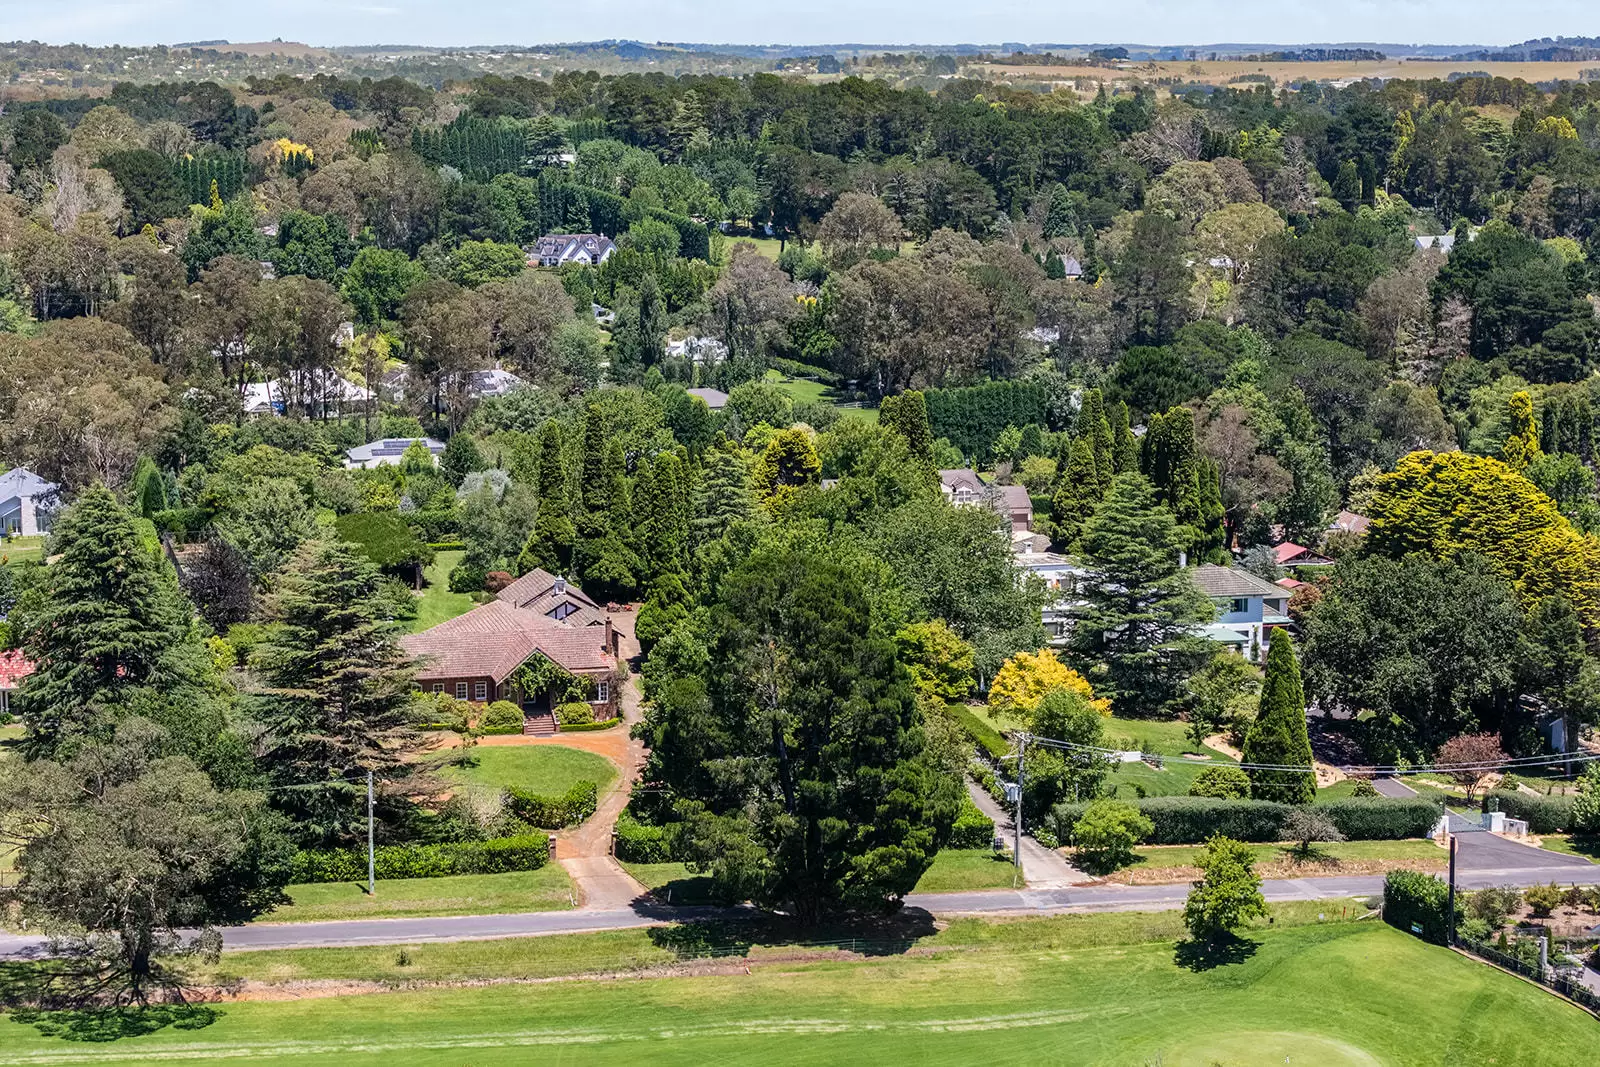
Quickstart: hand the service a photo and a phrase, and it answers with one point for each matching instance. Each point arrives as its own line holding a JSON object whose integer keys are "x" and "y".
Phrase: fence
{"x": 1550, "y": 978}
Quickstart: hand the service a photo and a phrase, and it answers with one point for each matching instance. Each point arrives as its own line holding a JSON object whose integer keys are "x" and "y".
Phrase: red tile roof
{"x": 14, "y": 667}
{"x": 496, "y": 638}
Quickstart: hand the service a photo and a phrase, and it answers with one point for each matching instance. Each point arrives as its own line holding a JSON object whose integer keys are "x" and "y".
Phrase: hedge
{"x": 574, "y": 713}
{"x": 1544, "y": 814}
{"x": 1413, "y": 898}
{"x": 501, "y": 717}
{"x": 448, "y": 546}
{"x": 972, "y": 828}
{"x": 1194, "y": 820}
{"x": 987, "y": 737}
{"x": 585, "y": 727}
{"x": 553, "y": 813}
{"x": 528, "y": 852}
{"x": 639, "y": 842}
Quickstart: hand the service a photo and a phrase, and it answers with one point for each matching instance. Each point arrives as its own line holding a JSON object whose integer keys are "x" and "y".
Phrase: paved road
{"x": 1044, "y": 901}
{"x": 1393, "y": 787}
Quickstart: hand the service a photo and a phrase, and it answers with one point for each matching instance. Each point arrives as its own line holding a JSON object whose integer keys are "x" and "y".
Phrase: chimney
{"x": 561, "y": 587}
{"x": 611, "y": 638}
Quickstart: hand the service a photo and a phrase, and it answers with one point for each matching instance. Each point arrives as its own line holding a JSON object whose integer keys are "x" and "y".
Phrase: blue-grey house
{"x": 1247, "y": 606}
{"x": 27, "y": 503}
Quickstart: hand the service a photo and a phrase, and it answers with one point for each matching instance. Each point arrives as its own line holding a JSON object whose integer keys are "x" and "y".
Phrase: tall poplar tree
{"x": 1278, "y": 736}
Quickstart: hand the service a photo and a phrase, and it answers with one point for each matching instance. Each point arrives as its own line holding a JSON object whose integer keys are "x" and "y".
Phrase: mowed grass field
{"x": 953, "y": 870}
{"x": 436, "y": 603}
{"x": 547, "y": 770}
{"x": 546, "y": 889}
{"x": 1080, "y": 990}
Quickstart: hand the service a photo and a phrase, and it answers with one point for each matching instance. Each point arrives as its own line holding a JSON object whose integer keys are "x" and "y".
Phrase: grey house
{"x": 27, "y": 503}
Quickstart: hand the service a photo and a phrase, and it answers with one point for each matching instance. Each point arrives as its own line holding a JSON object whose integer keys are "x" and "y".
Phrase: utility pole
{"x": 1022, "y": 762}
{"x": 372, "y": 861}
{"x": 1450, "y": 931}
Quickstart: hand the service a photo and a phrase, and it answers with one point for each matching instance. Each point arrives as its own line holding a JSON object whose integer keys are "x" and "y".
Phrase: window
{"x": 602, "y": 691}
{"x": 438, "y": 687}
{"x": 480, "y": 691}
{"x": 461, "y": 690}
{"x": 1240, "y": 605}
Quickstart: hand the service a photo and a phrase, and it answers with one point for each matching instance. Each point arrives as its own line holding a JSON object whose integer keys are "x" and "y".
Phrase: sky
{"x": 464, "y": 22}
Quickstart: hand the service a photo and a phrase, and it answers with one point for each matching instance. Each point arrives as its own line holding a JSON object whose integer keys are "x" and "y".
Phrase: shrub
{"x": 467, "y": 578}
{"x": 1229, "y": 893}
{"x": 495, "y": 581}
{"x": 986, "y": 736}
{"x": 1544, "y": 814}
{"x": 501, "y": 717}
{"x": 587, "y": 727}
{"x": 1586, "y": 805}
{"x": 528, "y": 852}
{"x": 1510, "y": 782}
{"x": 1382, "y": 818}
{"x": 1364, "y": 789}
{"x": 1107, "y": 832}
{"x": 1309, "y": 825}
{"x": 972, "y": 828}
{"x": 1221, "y": 783}
{"x": 639, "y": 842}
{"x": 574, "y": 713}
{"x": 1411, "y": 898}
{"x": 554, "y": 813}
{"x": 440, "y": 711}
{"x": 1544, "y": 899}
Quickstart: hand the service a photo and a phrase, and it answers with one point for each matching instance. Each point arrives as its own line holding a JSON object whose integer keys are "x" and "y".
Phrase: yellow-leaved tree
{"x": 1025, "y": 678}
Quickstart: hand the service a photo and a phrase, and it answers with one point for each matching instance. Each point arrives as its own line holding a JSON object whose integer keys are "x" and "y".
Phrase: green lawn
{"x": 954, "y": 870}
{"x": 805, "y": 392}
{"x": 436, "y": 603}
{"x": 1185, "y": 855}
{"x": 1587, "y": 847}
{"x": 547, "y": 889}
{"x": 21, "y": 549}
{"x": 547, "y": 770}
{"x": 1077, "y": 990}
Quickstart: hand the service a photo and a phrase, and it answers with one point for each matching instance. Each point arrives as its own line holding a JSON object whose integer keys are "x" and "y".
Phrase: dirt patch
{"x": 1277, "y": 869}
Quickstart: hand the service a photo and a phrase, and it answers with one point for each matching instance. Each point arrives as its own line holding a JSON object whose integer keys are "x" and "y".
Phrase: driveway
{"x": 1483, "y": 851}
{"x": 1393, "y": 787}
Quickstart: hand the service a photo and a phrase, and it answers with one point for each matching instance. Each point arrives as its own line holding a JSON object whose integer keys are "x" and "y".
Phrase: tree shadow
{"x": 1199, "y": 954}
{"x": 890, "y": 935}
{"x": 114, "y": 1024}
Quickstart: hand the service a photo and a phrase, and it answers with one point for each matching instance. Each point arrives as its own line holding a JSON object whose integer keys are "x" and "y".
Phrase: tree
{"x": 1229, "y": 893}
{"x": 788, "y": 464}
{"x": 461, "y": 457}
{"x": 110, "y": 630}
{"x": 129, "y": 856}
{"x": 1278, "y": 736}
{"x": 832, "y": 807}
{"x": 940, "y": 662}
{"x": 1124, "y": 447}
{"x": 858, "y": 225}
{"x": 1222, "y": 783}
{"x": 1133, "y": 633}
{"x": 1107, "y": 831}
{"x": 267, "y": 525}
{"x": 550, "y": 543}
{"x": 218, "y": 582}
{"x": 1077, "y": 494}
{"x": 338, "y": 687}
{"x": 661, "y": 501}
{"x": 1471, "y": 760}
{"x": 907, "y": 415}
{"x": 377, "y": 281}
{"x": 724, "y": 495}
{"x": 1027, "y": 677}
{"x": 1219, "y": 693}
{"x": 1151, "y": 279}
{"x": 1307, "y": 826}
{"x": 1092, "y": 427}
{"x": 1055, "y": 774}
{"x": 1522, "y": 434}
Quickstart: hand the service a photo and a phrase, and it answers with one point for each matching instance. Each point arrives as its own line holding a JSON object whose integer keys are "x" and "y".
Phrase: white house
{"x": 317, "y": 392}
{"x": 1060, "y": 575}
{"x": 387, "y": 453}
{"x": 27, "y": 503}
{"x": 588, "y": 249}
{"x": 1247, "y": 606}
{"x": 707, "y": 350}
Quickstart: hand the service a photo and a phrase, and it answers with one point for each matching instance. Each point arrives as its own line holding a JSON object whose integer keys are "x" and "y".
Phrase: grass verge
{"x": 546, "y": 889}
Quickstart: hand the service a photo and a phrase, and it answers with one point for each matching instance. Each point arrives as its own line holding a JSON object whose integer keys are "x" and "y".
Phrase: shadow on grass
{"x": 1203, "y": 955}
{"x": 114, "y": 1024}
{"x": 867, "y": 936}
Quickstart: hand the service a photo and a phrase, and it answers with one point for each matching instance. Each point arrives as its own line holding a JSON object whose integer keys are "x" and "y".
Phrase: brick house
{"x": 474, "y": 656}
{"x": 14, "y": 667}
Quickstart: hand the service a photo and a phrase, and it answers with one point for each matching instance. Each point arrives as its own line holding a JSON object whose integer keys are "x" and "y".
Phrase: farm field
{"x": 1088, "y": 989}
{"x": 547, "y": 770}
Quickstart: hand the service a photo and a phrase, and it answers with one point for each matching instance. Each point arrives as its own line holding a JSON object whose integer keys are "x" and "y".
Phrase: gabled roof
{"x": 14, "y": 667}
{"x": 496, "y": 638}
{"x": 1288, "y": 552}
{"x": 1350, "y": 522}
{"x": 1215, "y": 581}
{"x": 959, "y": 478}
{"x": 536, "y": 591}
{"x": 22, "y": 482}
{"x": 715, "y": 399}
{"x": 1016, "y": 498}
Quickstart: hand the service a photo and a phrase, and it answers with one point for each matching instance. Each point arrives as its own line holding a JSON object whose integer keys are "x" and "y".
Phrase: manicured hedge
{"x": 1544, "y": 814}
{"x": 972, "y": 829}
{"x": 553, "y": 813}
{"x": 1194, "y": 820}
{"x": 585, "y": 727}
{"x": 526, "y": 853}
{"x": 1413, "y": 897}
{"x": 638, "y": 842}
{"x": 987, "y": 737}
{"x": 501, "y": 717}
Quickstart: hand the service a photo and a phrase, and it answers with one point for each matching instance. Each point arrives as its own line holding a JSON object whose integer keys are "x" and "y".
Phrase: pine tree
{"x": 1093, "y": 427}
{"x": 1278, "y": 736}
{"x": 1077, "y": 493}
{"x": 550, "y": 544}
{"x": 601, "y": 557}
{"x": 339, "y": 686}
{"x": 1211, "y": 545}
{"x": 112, "y": 626}
{"x": 1171, "y": 460}
{"x": 724, "y": 495}
{"x": 1124, "y": 446}
{"x": 907, "y": 415}
{"x": 1134, "y": 636}
{"x": 1346, "y": 185}
{"x": 661, "y": 515}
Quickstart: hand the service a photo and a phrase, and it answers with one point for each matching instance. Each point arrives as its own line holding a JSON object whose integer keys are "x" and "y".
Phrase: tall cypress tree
{"x": 1124, "y": 446}
{"x": 550, "y": 544}
{"x": 724, "y": 495}
{"x": 112, "y": 629}
{"x": 1077, "y": 493}
{"x": 1093, "y": 427}
{"x": 1134, "y": 635}
{"x": 907, "y": 415}
{"x": 1170, "y": 458}
{"x": 339, "y": 686}
{"x": 1278, "y": 736}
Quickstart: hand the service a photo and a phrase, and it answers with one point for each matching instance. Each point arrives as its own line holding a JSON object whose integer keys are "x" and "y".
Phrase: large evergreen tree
{"x": 111, "y": 631}
{"x": 1124, "y": 446}
{"x": 338, "y": 685}
{"x": 1092, "y": 426}
{"x": 550, "y": 544}
{"x": 907, "y": 415}
{"x": 797, "y": 762}
{"x": 1134, "y": 635}
{"x": 1077, "y": 494}
{"x": 1278, "y": 736}
{"x": 725, "y": 496}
